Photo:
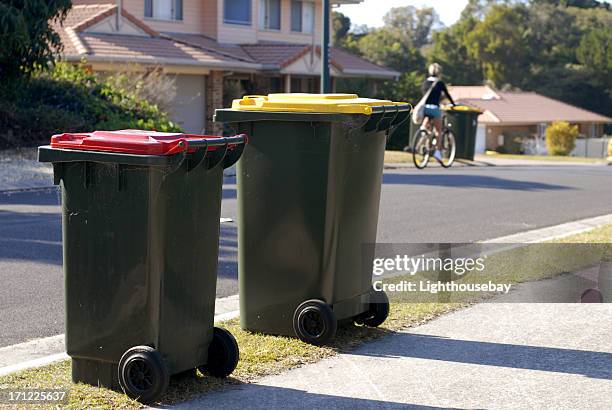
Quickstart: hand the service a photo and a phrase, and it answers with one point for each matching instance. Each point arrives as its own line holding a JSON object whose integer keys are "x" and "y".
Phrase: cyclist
{"x": 432, "y": 113}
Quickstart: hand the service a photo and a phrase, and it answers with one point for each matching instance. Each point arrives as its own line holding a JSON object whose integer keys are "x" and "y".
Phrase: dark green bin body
{"x": 140, "y": 247}
{"x": 464, "y": 125}
{"x": 308, "y": 198}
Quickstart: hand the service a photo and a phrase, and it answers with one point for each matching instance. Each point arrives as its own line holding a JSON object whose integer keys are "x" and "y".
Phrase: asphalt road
{"x": 456, "y": 205}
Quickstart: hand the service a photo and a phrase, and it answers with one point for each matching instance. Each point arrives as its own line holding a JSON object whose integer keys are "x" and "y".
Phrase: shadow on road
{"x": 35, "y": 237}
{"x": 228, "y": 251}
{"x": 468, "y": 181}
{"x": 229, "y": 193}
{"x": 597, "y": 365}
{"x": 42, "y": 196}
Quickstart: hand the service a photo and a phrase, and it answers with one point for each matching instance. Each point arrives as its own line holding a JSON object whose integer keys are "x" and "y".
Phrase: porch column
{"x": 214, "y": 100}
{"x": 288, "y": 83}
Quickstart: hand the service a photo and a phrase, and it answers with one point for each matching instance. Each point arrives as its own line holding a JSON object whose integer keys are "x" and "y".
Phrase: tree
{"x": 27, "y": 35}
{"x": 341, "y": 25}
{"x": 413, "y": 24}
{"x": 553, "y": 36}
{"x": 450, "y": 50}
{"x": 595, "y": 53}
{"x": 501, "y": 43}
{"x": 583, "y": 4}
{"x": 388, "y": 48}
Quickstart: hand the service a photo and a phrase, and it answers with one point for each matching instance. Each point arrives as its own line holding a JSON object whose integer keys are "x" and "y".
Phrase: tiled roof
{"x": 532, "y": 108}
{"x": 160, "y": 48}
{"x": 280, "y": 55}
{"x": 154, "y": 49}
{"x": 348, "y": 62}
{"x": 77, "y": 15}
{"x": 151, "y": 47}
{"x": 231, "y": 50}
{"x": 274, "y": 55}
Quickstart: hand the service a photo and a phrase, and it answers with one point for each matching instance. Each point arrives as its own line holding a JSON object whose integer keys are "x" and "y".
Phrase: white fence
{"x": 585, "y": 147}
{"x": 591, "y": 147}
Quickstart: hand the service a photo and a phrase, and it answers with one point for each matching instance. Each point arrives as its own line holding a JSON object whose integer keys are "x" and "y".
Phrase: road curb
{"x": 51, "y": 349}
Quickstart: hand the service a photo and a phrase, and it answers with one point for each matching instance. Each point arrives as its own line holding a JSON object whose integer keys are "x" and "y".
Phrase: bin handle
{"x": 217, "y": 142}
{"x": 383, "y": 108}
{"x": 232, "y": 148}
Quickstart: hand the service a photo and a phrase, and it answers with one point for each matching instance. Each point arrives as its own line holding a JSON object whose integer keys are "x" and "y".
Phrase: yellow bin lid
{"x": 311, "y": 103}
{"x": 464, "y": 108}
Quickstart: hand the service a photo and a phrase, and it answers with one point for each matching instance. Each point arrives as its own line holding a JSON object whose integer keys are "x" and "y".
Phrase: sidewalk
{"x": 21, "y": 170}
{"x": 487, "y": 356}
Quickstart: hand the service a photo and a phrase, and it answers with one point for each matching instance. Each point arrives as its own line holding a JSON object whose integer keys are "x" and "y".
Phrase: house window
{"x": 302, "y": 16}
{"x": 237, "y": 12}
{"x": 270, "y": 14}
{"x": 164, "y": 9}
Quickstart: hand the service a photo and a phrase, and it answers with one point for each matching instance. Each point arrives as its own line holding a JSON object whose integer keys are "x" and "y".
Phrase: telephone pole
{"x": 325, "y": 80}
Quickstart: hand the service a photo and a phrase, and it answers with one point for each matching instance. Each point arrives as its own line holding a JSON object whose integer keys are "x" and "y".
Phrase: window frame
{"x": 264, "y": 18}
{"x": 302, "y": 26}
{"x": 294, "y": 5}
{"x": 176, "y": 11}
{"x": 238, "y": 22}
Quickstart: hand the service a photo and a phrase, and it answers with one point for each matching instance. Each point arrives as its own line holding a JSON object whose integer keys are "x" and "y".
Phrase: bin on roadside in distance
{"x": 140, "y": 217}
{"x": 309, "y": 189}
{"x": 463, "y": 121}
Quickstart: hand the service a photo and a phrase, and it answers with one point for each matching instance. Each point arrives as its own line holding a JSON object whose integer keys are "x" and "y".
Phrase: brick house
{"x": 210, "y": 47}
{"x": 510, "y": 117}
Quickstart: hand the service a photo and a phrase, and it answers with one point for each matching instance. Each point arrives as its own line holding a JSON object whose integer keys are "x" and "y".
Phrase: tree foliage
{"x": 501, "y": 43}
{"x": 412, "y": 24}
{"x": 27, "y": 35}
{"x": 558, "y": 48}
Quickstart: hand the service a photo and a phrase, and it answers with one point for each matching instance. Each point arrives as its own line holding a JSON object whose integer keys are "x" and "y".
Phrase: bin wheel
{"x": 378, "y": 310}
{"x": 223, "y": 354}
{"x": 143, "y": 374}
{"x": 314, "y": 322}
{"x": 591, "y": 296}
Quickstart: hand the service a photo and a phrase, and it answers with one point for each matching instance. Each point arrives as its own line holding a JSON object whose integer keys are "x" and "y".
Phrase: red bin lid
{"x": 139, "y": 142}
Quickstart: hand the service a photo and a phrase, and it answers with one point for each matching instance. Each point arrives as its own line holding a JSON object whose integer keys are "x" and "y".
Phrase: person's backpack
{"x": 418, "y": 112}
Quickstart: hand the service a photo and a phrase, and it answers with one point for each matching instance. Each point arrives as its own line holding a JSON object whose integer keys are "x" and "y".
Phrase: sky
{"x": 371, "y": 12}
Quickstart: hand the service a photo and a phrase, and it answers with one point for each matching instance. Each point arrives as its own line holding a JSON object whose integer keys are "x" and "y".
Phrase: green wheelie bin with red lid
{"x": 140, "y": 222}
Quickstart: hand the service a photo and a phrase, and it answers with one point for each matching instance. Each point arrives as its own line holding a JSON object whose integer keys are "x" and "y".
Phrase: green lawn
{"x": 397, "y": 157}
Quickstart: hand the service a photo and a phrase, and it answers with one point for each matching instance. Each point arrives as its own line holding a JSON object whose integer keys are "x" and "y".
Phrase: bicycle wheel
{"x": 449, "y": 149}
{"x": 421, "y": 149}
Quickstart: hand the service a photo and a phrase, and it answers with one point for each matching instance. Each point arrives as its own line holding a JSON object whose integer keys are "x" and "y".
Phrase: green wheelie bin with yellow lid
{"x": 309, "y": 185}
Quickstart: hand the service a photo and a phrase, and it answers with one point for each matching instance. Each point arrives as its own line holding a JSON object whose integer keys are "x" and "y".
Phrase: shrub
{"x": 561, "y": 138}
{"x": 69, "y": 99}
{"x": 610, "y": 147}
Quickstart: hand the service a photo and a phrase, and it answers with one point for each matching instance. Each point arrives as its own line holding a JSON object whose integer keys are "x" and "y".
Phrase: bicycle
{"x": 426, "y": 141}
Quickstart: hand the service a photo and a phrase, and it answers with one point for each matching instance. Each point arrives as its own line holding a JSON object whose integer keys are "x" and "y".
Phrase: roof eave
{"x": 383, "y": 75}
{"x": 234, "y": 66}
